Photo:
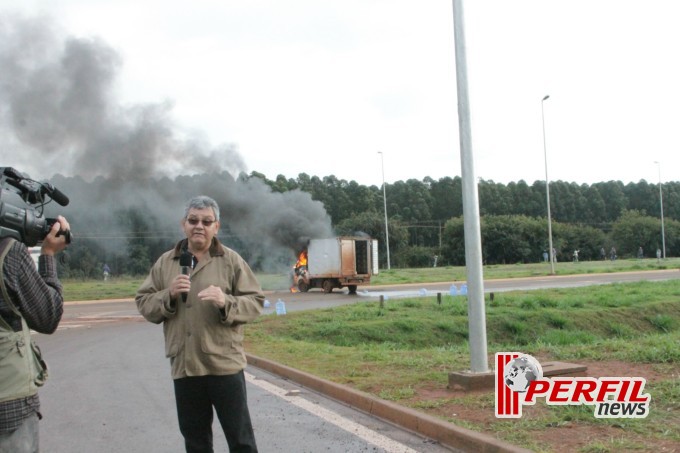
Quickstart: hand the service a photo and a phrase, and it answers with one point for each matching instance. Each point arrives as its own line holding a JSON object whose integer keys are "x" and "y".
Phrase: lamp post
{"x": 387, "y": 234}
{"x": 471, "y": 218}
{"x": 547, "y": 190}
{"x": 663, "y": 234}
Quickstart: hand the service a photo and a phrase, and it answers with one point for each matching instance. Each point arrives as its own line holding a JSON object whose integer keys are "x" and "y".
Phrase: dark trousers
{"x": 196, "y": 397}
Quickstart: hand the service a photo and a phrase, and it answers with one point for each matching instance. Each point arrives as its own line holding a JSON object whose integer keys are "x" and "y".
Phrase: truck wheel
{"x": 352, "y": 289}
{"x": 302, "y": 286}
{"x": 327, "y": 286}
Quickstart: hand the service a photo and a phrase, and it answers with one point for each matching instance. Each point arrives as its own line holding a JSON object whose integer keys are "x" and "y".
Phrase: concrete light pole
{"x": 663, "y": 234}
{"x": 471, "y": 222}
{"x": 547, "y": 190}
{"x": 387, "y": 233}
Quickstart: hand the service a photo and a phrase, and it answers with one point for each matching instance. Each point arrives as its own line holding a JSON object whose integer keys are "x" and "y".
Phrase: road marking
{"x": 338, "y": 420}
{"x": 90, "y": 320}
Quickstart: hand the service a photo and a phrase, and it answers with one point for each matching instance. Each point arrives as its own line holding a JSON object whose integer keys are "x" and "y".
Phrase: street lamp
{"x": 547, "y": 190}
{"x": 663, "y": 234}
{"x": 387, "y": 234}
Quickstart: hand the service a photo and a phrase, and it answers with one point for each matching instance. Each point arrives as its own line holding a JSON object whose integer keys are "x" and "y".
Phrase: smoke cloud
{"x": 59, "y": 120}
{"x": 58, "y": 107}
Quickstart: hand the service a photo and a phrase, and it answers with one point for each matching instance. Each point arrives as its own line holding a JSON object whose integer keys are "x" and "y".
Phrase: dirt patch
{"x": 616, "y": 369}
{"x": 475, "y": 409}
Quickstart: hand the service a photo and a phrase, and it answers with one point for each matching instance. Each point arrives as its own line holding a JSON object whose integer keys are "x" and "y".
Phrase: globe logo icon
{"x": 521, "y": 371}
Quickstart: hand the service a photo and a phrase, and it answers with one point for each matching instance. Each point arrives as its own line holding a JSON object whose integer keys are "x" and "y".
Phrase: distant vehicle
{"x": 336, "y": 263}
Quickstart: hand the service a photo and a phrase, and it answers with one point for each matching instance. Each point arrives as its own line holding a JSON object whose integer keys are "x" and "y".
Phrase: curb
{"x": 433, "y": 428}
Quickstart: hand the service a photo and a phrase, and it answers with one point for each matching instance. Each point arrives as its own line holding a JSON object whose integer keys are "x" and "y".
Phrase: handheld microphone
{"x": 185, "y": 262}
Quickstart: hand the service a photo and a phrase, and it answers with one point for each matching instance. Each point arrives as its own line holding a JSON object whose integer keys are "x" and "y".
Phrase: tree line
{"x": 425, "y": 220}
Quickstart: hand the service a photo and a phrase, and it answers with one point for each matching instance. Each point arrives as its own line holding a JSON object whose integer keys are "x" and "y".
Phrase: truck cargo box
{"x": 337, "y": 262}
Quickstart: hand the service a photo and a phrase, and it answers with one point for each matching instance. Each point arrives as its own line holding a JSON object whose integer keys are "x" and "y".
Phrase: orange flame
{"x": 301, "y": 261}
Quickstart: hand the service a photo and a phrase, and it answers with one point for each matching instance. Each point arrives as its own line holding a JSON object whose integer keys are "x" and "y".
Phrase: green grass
{"x": 114, "y": 288}
{"x": 413, "y": 344}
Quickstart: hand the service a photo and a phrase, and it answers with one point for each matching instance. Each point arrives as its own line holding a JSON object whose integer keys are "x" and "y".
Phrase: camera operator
{"x": 30, "y": 299}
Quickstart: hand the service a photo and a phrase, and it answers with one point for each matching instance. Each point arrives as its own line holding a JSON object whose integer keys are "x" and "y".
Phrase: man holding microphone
{"x": 203, "y": 293}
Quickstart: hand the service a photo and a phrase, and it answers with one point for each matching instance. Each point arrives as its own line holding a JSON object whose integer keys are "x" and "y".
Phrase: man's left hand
{"x": 213, "y": 294}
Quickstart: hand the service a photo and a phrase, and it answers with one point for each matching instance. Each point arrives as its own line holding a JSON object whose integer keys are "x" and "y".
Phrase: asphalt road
{"x": 110, "y": 391}
{"x": 110, "y": 388}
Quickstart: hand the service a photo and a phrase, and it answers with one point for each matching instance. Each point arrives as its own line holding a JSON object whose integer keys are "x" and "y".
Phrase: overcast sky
{"x": 320, "y": 86}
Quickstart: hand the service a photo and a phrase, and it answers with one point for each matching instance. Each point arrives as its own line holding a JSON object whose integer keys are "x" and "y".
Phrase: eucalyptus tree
{"x": 447, "y": 197}
{"x": 614, "y": 199}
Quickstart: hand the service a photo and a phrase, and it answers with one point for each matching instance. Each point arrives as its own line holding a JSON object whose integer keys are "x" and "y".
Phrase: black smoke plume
{"x": 60, "y": 121}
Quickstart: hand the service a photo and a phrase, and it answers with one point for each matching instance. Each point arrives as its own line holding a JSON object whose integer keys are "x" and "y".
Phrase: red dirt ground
{"x": 569, "y": 437}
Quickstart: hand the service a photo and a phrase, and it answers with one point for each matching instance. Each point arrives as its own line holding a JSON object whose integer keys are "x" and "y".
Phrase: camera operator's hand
{"x": 53, "y": 244}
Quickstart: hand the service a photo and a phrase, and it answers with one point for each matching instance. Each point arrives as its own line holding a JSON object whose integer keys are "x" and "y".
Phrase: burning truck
{"x": 335, "y": 263}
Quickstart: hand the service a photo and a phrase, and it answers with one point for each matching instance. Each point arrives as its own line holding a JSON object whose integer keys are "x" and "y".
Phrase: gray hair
{"x": 202, "y": 202}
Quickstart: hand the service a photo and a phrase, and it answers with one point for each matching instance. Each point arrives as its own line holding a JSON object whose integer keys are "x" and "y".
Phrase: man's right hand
{"x": 180, "y": 284}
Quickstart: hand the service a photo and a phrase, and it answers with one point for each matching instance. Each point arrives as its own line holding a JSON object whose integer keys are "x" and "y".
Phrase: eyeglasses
{"x": 205, "y": 222}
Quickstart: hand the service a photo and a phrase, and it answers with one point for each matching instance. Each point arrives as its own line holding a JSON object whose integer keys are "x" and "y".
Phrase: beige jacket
{"x": 200, "y": 339}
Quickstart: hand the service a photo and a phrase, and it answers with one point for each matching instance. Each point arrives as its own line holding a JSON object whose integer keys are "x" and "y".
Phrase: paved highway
{"x": 316, "y": 299}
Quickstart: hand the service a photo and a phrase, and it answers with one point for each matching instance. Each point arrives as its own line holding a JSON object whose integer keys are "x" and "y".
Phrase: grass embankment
{"x": 406, "y": 349}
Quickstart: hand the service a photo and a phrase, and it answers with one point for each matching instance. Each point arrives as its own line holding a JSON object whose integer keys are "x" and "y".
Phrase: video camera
{"x": 27, "y": 224}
